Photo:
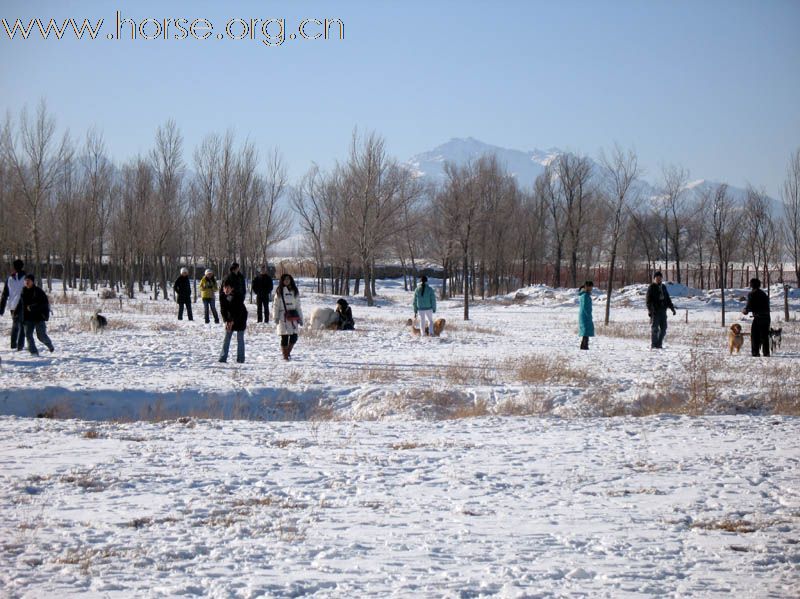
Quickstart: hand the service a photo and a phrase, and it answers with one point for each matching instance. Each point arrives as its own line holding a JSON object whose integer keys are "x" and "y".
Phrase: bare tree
{"x": 723, "y": 223}
{"x": 35, "y": 157}
{"x": 574, "y": 173}
{"x": 674, "y": 203}
{"x": 791, "y": 209}
{"x": 621, "y": 171}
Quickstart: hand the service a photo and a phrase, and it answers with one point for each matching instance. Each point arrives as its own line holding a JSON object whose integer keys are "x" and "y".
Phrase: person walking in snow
{"x": 36, "y": 313}
{"x": 288, "y": 313}
{"x": 208, "y": 287}
{"x": 262, "y": 287}
{"x": 425, "y": 305}
{"x": 11, "y": 294}
{"x": 234, "y": 314}
{"x": 183, "y": 293}
{"x": 658, "y": 301}
{"x": 758, "y": 304}
{"x": 585, "y": 322}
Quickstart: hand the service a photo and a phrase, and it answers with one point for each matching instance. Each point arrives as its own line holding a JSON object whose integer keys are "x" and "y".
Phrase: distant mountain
{"x": 526, "y": 166}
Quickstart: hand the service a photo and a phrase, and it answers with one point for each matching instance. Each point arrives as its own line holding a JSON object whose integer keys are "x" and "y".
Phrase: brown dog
{"x": 735, "y": 338}
{"x": 438, "y": 326}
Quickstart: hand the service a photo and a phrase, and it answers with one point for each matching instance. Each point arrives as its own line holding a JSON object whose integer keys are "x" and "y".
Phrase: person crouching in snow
{"x": 287, "y": 312}
{"x": 234, "y": 314}
{"x": 585, "y": 322}
{"x": 35, "y": 314}
{"x": 425, "y": 305}
{"x": 345, "y": 314}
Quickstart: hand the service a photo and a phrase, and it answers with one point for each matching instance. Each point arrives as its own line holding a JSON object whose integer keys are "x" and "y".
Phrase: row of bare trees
{"x": 74, "y": 214}
{"x": 71, "y": 212}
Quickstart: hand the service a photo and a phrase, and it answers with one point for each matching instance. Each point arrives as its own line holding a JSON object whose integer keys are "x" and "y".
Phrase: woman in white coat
{"x": 287, "y": 313}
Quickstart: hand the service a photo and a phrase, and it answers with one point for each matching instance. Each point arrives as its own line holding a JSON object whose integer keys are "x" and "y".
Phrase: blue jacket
{"x": 424, "y": 298}
{"x": 585, "y": 323}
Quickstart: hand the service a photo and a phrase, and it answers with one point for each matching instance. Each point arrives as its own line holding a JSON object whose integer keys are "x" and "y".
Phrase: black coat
{"x": 35, "y": 305}
{"x": 183, "y": 287}
{"x": 236, "y": 280}
{"x": 262, "y": 285}
{"x": 233, "y": 310}
{"x": 346, "y": 322}
{"x": 658, "y": 298}
{"x": 757, "y": 303}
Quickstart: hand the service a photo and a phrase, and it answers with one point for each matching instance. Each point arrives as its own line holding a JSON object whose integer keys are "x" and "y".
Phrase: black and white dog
{"x": 98, "y": 322}
{"x": 775, "y": 338}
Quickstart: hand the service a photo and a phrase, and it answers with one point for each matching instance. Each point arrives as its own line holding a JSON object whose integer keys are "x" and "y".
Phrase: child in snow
{"x": 288, "y": 313}
{"x": 234, "y": 314}
{"x": 208, "y": 287}
{"x": 585, "y": 322}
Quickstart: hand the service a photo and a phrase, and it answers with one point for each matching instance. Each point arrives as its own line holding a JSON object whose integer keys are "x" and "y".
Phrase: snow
{"x": 505, "y": 507}
{"x": 481, "y": 463}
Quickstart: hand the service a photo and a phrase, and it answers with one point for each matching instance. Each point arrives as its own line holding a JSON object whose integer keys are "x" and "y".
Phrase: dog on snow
{"x": 735, "y": 338}
{"x": 438, "y": 326}
{"x": 98, "y": 322}
{"x": 775, "y": 338}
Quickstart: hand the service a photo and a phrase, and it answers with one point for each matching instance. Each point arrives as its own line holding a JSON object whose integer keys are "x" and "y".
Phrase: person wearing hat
{"x": 208, "y": 287}
{"x": 11, "y": 295}
{"x": 658, "y": 302}
{"x": 236, "y": 279}
{"x": 262, "y": 287}
{"x": 425, "y": 305}
{"x": 758, "y": 304}
{"x": 36, "y": 313}
{"x": 585, "y": 321}
{"x": 183, "y": 294}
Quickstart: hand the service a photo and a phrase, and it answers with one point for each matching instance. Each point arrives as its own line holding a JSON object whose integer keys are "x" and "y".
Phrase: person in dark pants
{"x": 12, "y": 291}
{"x": 236, "y": 279}
{"x": 262, "y": 287}
{"x": 585, "y": 322}
{"x": 658, "y": 301}
{"x": 36, "y": 312}
{"x": 183, "y": 290}
{"x": 234, "y": 314}
{"x": 345, "y": 314}
{"x": 758, "y": 304}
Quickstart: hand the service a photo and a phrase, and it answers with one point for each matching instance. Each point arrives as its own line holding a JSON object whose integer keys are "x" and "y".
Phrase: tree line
{"x": 75, "y": 215}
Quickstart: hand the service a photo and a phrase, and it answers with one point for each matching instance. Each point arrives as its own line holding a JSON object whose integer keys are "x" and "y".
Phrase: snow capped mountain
{"x": 525, "y": 166}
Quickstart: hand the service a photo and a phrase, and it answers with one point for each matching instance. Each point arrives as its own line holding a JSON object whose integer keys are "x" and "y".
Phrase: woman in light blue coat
{"x": 585, "y": 322}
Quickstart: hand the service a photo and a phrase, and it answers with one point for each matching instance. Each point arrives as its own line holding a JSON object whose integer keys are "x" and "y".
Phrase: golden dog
{"x": 438, "y": 326}
{"x": 735, "y": 338}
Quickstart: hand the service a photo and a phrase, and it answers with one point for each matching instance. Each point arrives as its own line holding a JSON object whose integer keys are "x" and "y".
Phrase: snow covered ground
{"x": 508, "y": 507}
{"x": 376, "y": 463}
{"x": 517, "y": 354}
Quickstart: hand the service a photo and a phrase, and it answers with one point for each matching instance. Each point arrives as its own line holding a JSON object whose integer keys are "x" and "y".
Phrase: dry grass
{"x": 545, "y": 369}
{"x": 463, "y": 373}
{"x": 91, "y": 434}
{"x": 737, "y": 526}
{"x": 454, "y": 326}
{"x": 530, "y": 404}
{"x": 405, "y": 445}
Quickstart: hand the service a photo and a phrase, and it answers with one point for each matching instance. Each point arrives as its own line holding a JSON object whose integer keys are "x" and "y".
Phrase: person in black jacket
{"x": 758, "y": 304}
{"x": 262, "y": 287}
{"x": 234, "y": 315}
{"x": 345, "y": 314}
{"x": 658, "y": 301}
{"x": 36, "y": 313}
{"x": 183, "y": 291}
{"x": 236, "y": 279}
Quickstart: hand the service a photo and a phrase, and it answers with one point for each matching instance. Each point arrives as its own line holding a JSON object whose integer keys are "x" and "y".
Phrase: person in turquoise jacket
{"x": 585, "y": 323}
{"x": 425, "y": 305}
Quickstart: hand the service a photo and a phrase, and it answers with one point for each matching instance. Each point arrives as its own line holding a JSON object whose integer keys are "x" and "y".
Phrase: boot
{"x": 285, "y": 351}
{"x": 291, "y": 347}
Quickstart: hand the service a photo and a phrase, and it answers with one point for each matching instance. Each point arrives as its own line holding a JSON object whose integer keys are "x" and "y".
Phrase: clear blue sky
{"x": 711, "y": 85}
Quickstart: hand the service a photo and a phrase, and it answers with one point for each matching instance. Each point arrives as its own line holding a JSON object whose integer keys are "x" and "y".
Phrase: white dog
{"x": 324, "y": 318}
